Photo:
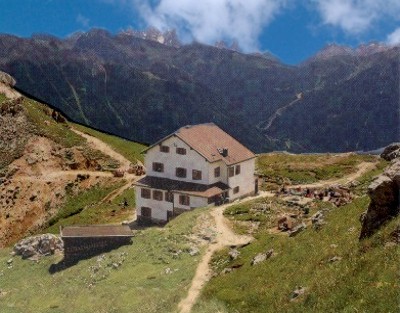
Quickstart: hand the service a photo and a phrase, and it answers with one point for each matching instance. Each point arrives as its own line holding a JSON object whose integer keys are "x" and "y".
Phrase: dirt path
{"x": 277, "y": 113}
{"x": 226, "y": 237}
{"x": 362, "y": 168}
{"x": 105, "y": 148}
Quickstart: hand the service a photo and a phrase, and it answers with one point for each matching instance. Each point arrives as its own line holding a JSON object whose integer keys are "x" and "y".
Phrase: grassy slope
{"x": 308, "y": 168}
{"x": 129, "y": 149}
{"x": 45, "y": 125}
{"x": 365, "y": 280}
{"x": 85, "y": 208}
{"x": 139, "y": 285}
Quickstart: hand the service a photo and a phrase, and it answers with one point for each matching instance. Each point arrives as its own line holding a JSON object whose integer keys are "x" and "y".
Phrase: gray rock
{"x": 37, "y": 246}
{"x": 384, "y": 193}
{"x": 261, "y": 257}
{"x": 335, "y": 259}
{"x": 299, "y": 228}
{"x": 391, "y": 152}
{"x": 233, "y": 254}
{"x": 7, "y": 79}
{"x": 297, "y": 292}
{"x": 194, "y": 251}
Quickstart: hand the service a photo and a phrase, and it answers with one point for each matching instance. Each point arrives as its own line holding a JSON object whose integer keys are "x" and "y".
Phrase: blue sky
{"x": 293, "y": 30}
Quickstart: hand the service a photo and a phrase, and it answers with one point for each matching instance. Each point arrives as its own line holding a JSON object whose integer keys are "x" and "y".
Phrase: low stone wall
{"x": 79, "y": 248}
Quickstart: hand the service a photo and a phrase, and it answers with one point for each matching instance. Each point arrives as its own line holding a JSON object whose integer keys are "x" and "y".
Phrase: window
{"x": 145, "y": 193}
{"x": 145, "y": 212}
{"x": 217, "y": 172}
{"x": 181, "y": 172}
{"x": 158, "y": 195}
{"x": 158, "y": 167}
{"x": 181, "y": 151}
{"x": 164, "y": 149}
{"x": 169, "y": 196}
{"x": 237, "y": 170}
{"x": 184, "y": 200}
{"x": 231, "y": 171}
{"x": 196, "y": 175}
{"x": 236, "y": 189}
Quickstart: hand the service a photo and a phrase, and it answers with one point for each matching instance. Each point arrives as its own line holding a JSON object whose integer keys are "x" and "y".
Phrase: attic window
{"x": 164, "y": 149}
{"x": 181, "y": 151}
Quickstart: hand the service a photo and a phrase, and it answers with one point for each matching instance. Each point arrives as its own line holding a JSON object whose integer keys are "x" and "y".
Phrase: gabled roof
{"x": 209, "y": 140}
{"x": 96, "y": 231}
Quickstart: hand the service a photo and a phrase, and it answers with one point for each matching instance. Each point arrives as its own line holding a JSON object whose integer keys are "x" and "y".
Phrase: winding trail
{"x": 105, "y": 148}
{"x": 225, "y": 237}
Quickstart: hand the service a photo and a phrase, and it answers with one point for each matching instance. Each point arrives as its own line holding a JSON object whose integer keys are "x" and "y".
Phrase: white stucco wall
{"x": 245, "y": 180}
{"x": 192, "y": 160}
{"x": 223, "y": 178}
{"x": 195, "y": 202}
{"x": 158, "y": 208}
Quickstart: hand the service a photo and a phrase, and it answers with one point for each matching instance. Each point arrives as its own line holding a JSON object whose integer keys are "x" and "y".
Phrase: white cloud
{"x": 83, "y": 20}
{"x": 394, "y": 38}
{"x": 356, "y": 16}
{"x": 212, "y": 20}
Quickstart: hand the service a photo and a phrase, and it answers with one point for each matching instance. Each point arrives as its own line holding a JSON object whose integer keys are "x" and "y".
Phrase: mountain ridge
{"x": 142, "y": 89}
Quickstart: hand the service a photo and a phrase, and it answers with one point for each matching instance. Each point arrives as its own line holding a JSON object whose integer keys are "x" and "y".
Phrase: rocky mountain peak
{"x": 168, "y": 38}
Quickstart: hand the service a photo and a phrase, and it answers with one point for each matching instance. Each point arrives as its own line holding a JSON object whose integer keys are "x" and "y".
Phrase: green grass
{"x": 140, "y": 284}
{"x": 44, "y": 125}
{"x": 297, "y": 169}
{"x": 85, "y": 208}
{"x": 365, "y": 280}
{"x": 129, "y": 149}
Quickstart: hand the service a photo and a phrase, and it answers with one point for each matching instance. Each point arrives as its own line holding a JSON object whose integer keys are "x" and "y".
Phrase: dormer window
{"x": 164, "y": 149}
{"x": 181, "y": 151}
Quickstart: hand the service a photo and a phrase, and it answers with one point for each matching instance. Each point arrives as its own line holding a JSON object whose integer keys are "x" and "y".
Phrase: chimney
{"x": 224, "y": 152}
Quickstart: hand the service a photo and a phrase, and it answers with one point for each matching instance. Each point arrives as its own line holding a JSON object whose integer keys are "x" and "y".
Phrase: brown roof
{"x": 209, "y": 140}
{"x": 96, "y": 231}
{"x": 194, "y": 189}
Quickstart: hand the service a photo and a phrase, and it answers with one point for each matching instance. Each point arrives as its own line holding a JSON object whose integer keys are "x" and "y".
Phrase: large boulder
{"x": 391, "y": 152}
{"x": 385, "y": 204}
{"x": 37, "y": 246}
{"x": 7, "y": 79}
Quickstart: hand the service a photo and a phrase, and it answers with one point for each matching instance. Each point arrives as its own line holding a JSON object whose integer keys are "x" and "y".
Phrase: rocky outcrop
{"x": 7, "y": 79}
{"x": 391, "y": 152}
{"x": 384, "y": 193}
{"x": 37, "y": 246}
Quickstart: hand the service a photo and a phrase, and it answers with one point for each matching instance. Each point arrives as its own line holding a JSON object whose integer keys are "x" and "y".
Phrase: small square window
{"x": 184, "y": 200}
{"x": 237, "y": 170}
{"x": 181, "y": 151}
{"x": 236, "y": 189}
{"x": 180, "y": 172}
{"x": 158, "y": 167}
{"x": 164, "y": 149}
{"x": 217, "y": 172}
{"x": 158, "y": 195}
{"x": 196, "y": 175}
{"x": 231, "y": 171}
{"x": 145, "y": 193}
